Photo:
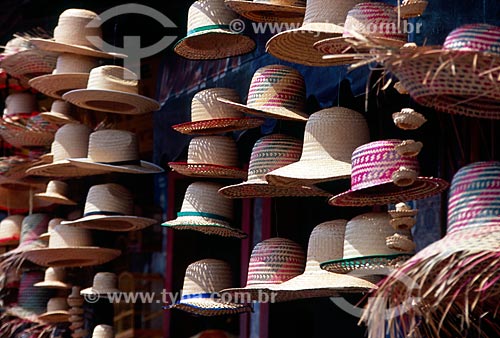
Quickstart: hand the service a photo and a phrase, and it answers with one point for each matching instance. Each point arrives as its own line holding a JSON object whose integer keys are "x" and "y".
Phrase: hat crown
{"x": 70, "y": 141}
{"x": 57, "y": 304}
{"x": 10, "y": 226}
{"x": 55, "y": 274}
{"x": 219, "y": 150}
{"x": 111, "y": 146}
{"x": 68, "y": 63}
{"x": 105, "y": 281}
{"x": 73, "y": 27}
{"x": 204, "y": 14}
{"x": 103, "y": 331}
{"x": 326, "y": 242}
{"x": 206, "y": 276}
{"x": 61, "y": 107}
{"x": 58, "y": 187}
{"x": 109, "y": 199}
{"x": 113, "y": 78}
{"x": 32, "y": 227}
{"x": 203, "y": 198}
{"x": 63, "y": 236}
{"x": 474, "y": 37}
{"x": 205, "y": 105}
{"x": 53, "y": 222}
{"x": 328, "y": 11}
{"x": 20, "y": 103}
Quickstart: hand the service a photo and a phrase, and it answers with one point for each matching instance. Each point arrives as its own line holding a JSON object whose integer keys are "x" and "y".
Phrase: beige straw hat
{"x": 403, "y": 217}
{"x": 10, "y": 230}
{"x": 115, "y": 151}
{"x": 209, "y": 116}
{"x": 54, "y": 279}
{"x": 204, "y": 210}
{"x": 275, "y": 91}
{"x": 112, "y": 89}
{"x": 323, "y": 19}
{"x": 269, "y": 10}
{"x": 200, "y": 293}
{"x": 60, "y": 113}
{"x": 211, "y": 156}
{"x": 209, "y": 35}
{"x": 57, "y": 192}
{"x": 408, "y": 119}
{"x": 329, "y": 139}
{"x": 52, "y": 223}
{"x": 103, "y": 331}
{"x": 107, "y": 208}
{"x": 71, "y": 247}
{"x": 411, "y": 8}
{"x": 104, "y": 284}
{"x": 57, "y": 311}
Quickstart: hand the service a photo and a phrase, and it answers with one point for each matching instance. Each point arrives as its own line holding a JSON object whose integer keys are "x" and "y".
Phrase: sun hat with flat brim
{"x": 54, "y": 279}
{"x": 209, "y": 116}
{"x": 10, "y": 230}
{"x": 115, "y": 151}
{"x": 60, "y": 113}
{"x": 108, "y": 207}
{"x": 330, "y": 137}
{"x": 206, "y": 211}
{"x": 411, "y": 8}
{"x": 209, "y": 33}
{"x": 57, "y": 311}
{"x": 269, "y": 10}
{"x": 56, "y": 193}
{"x": 270, "y": 153}
{"x": 104, "y": 284}
{"x": 276, "y": 91}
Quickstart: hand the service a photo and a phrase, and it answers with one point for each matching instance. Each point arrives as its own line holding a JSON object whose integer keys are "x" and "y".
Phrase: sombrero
{"x": 269, "y": 10}
{"x": 104, "y": 284}
{"x": 54, "y": 279}
{"x": 10, "y": 230}
{"x": 57, "y": 311}
{"x": 60, "y": 113}
{"x": 57, "y": 192}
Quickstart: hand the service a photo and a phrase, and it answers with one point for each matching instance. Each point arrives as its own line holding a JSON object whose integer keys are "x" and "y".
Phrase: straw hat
{"x": 57, "y": 192}
{"x": 209, "y": 35}
{"x": 209, "y": 116}
{"x": 213, "y": 334}
{"x": 112, "y": 89}
{"x": 115, "y": 151}
{"x": 403, "y": 218}
{"x": 54, "y": 279}
{"x": 107, "y": 208}
{"x": 72, "y": 32}
{"x": 70, "y": 247}
{"x": 13, "y": 173}
{"x": 270, "y": 153}
{"x": 323, "y": 19}
{"x": 469, "y": 253}
{"x": 57, "y": 311}
{"x": 10, "y": 230}
{"x": 211, "y": 156}
{"x": 71, "y": 72}
{"x": 411, "y": 8}
{"x": 269, "y": 10}
{"x": 52, "y": 223}
{"x": 380, "y": 175}
{"x": 20, "y": 105}
{"x": 330, "y": 137}
{"x": 60, "y": 113}
{"x": 104, "y": 284}
{"x": 408, "y": 119}
{"x": 200, "y": 293}
{"x": 276, "y": 91}
{"x": 103, "y": 331}
{"x": 32, "y": 226}
{"x": 204, "y": 210}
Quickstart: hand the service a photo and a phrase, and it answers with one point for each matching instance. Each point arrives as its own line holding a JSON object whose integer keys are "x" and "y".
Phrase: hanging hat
{"x": 204, "y": 210}
{"x": 10, "y": 230}
{"x": 408, "y": 119}
{"x": 276, "y": 91}
{"x": 60, "y": 113}
{"x": 213, "y": 334}
{"x": 52, "y": 223}
{"x": 323, "y": 19}
{"x": 103, "y": 331}
{"x": 269, "y": 10}
{"x": 112, "y": 89}
{"x": 209, "y": 116}
{"x": 70, "y": 247}
{"x": 380, "y": 175}
{"x": 330, "y": 137}
{"x": 71, "y": 35}
{"x": 54, "y": 279}
{"x": 270, "y": 153}
{"x": 411, "y": 8}
{"x": 200, "y": 293}
{"x": 57, "y": 192}
{"x": 461, "y": 269}
{"x": 115, "y": 151}
{"x": 211, "y": 156}
{"x": 209, "y": 35}
{"x": 107, "y": 208}
{"x": 104, "y": 284}
{"x": 57, "y": 311}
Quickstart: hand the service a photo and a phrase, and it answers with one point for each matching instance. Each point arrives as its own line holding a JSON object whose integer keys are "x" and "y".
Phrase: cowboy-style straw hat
{"x": 204, "y": 210}
{"x": 54, "y": 279}
{"x": 269, "y": 10}
{"x": 276, "y": 91}
{"x": 10, "y": 230}
{"x": 411, "y": 8}
{"x": 60, "y": 113}
{"x": 209, "y": 116}
{"x": 209, "y": 35}
{"x": 57, "y": 192}
{"x": 103, "y": 331}
{"x": 104, "y": 284}
{"x": 57, "y": 311}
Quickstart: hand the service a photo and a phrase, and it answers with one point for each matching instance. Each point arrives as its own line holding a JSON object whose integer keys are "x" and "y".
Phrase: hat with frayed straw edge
{"x": 211, "y": 156}
{"x": 272, "y": 262}
{"x": 57, "y": 311}
{"x": 408, "y": 119}
{"x": 411, "y": 8}
{"x": 330, "y": 137}
{"x": 71, "y": 72}
{"x": 213, "y": 334}
{"x": 52, "y": 223}
{"x": 10, "y": 230}
{"x": 275, "y": 91}
{"x": 204, "y": 210}
{"x": 71, "y": 247}
{"x": 103, "y": 331}
{"x": 78, "y": 31}
{"x": 470, "y": 252}
{"x": 115, "y": 151}
{"x": 326, "y": 242}
{"x": 60, "y": 113}
{"x": 200, "y": 293}
{"x": 112, "y": 89}
{"x": 54, "y": 279}
{"x": 209, "y": 116}
{"x": 209, "y": 35}
{"x": 380, "y": 175}
{"x": 434, "y": 76}
{"x": 323, "y": 19}
{"x": 107, "y": 208}
{"x": 269, "y": 153}
{"x": 104, "y": 283}
{"x": 269, "y": 10}
{"x": 56, "y": 192}
{"x": 365, "y": 246}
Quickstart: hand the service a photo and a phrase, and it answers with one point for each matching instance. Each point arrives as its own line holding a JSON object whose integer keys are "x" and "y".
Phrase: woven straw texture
{"x": 104, "y": 284}
{"x": 27, "y": 64}
{"x": 57, "y": 192}
{"x": 60, "y": 113}
{"x": 411, "y": 8}
{"x": 269, "y": 10}
{"x": 10, "y": 230}
{"x": 57, "y": 311}
{"x": 103, "y": 331}
{"x": 13, "y": 173}
{"x": 408, "y": 119}
{"x": 54, "y": 279}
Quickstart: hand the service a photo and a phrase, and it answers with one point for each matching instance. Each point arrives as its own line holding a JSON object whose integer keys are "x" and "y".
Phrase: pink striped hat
{"x": 381, "y": 175}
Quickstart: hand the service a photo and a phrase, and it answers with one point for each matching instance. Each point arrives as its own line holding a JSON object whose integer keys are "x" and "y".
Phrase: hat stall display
{"x": 103, "y": 331}
{"x": 10, "y": 230}
{"x": 52, "y": 223}
{"x": 57, "y": 192}
{"x": 269, "y": 10}
{"x": 57, "y": 311}
{"x": 60, "y": 113}
{"x": 206, "y": 211}
{"x": 209, "y": 35}
{"x": 411, "y": 8}
{"x": 104, "y": 284}
{"x": 408, "y": 119}
{"x": 54, "y": 279}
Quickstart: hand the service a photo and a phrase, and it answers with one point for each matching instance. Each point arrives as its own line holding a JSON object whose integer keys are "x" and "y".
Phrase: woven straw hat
{"x": 330, "y": 137}
{"x": 71, "y": 72}
{"x": 60, "y": 113}
{"x": 54, "y": 279}
{"x": 209, "y": 35}
{"x": 408, "y": 119}
{"x": 380, "y": 175}
{"x": 115, "y": 151}
{"x": 32, "y": 227}
{"x": 213, "y": 334}
{"x": 103, "y": 331}
{"x": 200, "y": 293}
{"x": 204, "y": 210}
{"x": 104, "y": 284}
{"x": 411, "y": 8}
{"x": 57, "y": 311}
{"x": 270, "y": 153}
{"x": 107, "y": 208}
{"x": 10, "y": 230}
{"x": 211, "y": 156}
{"x": 13, "y": 173}
{"x": 323, "y": 19}
{"x": 269, "y": 10}
{"x": 209, "y": 116}
{"x": 52, "y": 223}
{"x": 276, "y": 91}
{"x": 57, "y": 192}
{"x": 70, "y": 247}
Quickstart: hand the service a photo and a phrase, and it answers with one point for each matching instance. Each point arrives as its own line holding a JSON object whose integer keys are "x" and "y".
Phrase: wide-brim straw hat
{"x": 269, "y": 11}
{"x": 411, "y": 8}
{"x": 54, "y": 285}
{"x": 28, "y": 64}
{"x": 57, "y": 311}
{"x": 218, "y": 126}
{"x": 104, "y": 284}
{"x": 56, "y": 193}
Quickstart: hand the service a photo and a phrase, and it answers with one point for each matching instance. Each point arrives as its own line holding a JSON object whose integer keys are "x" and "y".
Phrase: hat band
{"x": 203, "y": 214}
{"x": 130, "y": 162}
{"x": 103, "y": 213}
{"x": 207, "y": 28}
{"x": 207, "y": 295}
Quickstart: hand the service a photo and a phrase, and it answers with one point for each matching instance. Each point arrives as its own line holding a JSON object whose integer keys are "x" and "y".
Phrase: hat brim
{"x": 412, "y": 9}
{"x": 55, "y": 85}
{"x": 28, "y": 64}
{"x": 265, "y": 190}
{"x": 9, "y": 241}
{"x": 71, "y": 256}
{"x": 58, "y": 47}
{"x": 209, "y": 307}
{"x": 112, "y": 223}
{"x": 143, "y": 168}
{"x": 340, "y": 45}
{"x": 58, "y": 118}
{"x": 102, "y": 293}
{"x": 54, "y": 317}
{"x": 205, "y": 225}
{"x": 218, "y": 126}
{"x": 266, "y": 12}
{"x": 63, "y": 168}
{"x": 55, "y": 198}
{"x": 20, "y": 138}
{"x": 281, "y": 113}
{"x": 207, "y": 170}
{"x": 53, "y": 285}
{"x": 368, "y": 263}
